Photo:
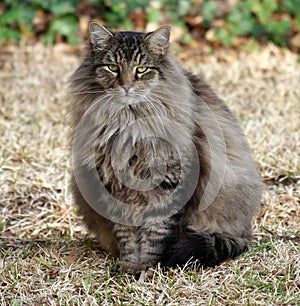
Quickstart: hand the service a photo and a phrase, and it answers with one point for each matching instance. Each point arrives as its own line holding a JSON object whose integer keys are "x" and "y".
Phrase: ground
{"x": 46, "y": 257}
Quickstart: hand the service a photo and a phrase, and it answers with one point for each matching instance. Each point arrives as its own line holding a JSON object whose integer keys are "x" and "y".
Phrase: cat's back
{"x": 230, "y": 187}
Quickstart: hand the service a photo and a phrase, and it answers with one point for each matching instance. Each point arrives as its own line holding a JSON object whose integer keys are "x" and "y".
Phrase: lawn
{"x": 46, "y": 256}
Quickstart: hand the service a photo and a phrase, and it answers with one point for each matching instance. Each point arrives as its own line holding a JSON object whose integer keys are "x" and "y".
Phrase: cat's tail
{"x": 209, "y": 249}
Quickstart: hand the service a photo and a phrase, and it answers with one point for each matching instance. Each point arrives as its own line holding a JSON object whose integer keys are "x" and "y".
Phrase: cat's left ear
{"x": 98, "y": 34}
{"x": 158, "y": 41}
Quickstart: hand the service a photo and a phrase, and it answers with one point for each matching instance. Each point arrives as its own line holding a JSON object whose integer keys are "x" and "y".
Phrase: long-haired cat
{"x": 161, "y": 169}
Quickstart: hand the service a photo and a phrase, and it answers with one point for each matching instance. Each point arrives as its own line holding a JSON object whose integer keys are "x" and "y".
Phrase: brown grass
{"x": 45, "y": 255}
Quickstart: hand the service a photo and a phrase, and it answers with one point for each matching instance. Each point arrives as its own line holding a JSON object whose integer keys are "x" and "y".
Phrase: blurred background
{"x": 197, "y": 23}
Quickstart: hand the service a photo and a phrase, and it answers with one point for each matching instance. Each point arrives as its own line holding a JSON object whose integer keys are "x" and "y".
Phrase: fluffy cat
{"x": 162, "y": 170}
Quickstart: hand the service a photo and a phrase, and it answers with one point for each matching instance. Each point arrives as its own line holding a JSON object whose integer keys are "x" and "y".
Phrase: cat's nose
{"x": 127, "y": 87}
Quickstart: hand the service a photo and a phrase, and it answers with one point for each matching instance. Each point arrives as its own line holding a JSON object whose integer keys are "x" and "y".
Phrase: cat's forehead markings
{"x": 121, "y": 57}
{"x": 128, "y": 56}
{"x": 138, "y": 58}
{"x": 111, "y": 57}
{"x": 127, "y": 42}
{"x": 121, "y": 60}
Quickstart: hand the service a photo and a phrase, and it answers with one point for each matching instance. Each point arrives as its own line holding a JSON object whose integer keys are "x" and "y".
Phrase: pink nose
{"x": 127, "y": 86}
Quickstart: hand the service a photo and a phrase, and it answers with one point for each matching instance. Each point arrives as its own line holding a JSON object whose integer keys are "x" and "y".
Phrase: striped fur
{"x": 188, "y": 109}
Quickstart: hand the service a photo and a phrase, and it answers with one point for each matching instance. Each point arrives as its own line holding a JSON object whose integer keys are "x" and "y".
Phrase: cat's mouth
{"x": 129, "y": 97}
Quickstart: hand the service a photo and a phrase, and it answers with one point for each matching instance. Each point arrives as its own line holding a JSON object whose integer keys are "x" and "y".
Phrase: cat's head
{"x": 131, "y": 74}
{"x": 129, "y": 64}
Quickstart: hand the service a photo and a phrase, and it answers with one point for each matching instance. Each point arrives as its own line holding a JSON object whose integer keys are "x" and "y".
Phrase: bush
{"x": 220, "y": 22}
{"x": 38, "y": 17}
{"x": 261, "y": 19}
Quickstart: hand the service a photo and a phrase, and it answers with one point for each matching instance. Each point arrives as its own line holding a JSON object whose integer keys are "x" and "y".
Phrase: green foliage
{"x": 209, "y": 10}
{"x": 19, "y": 16}
{"x": 292, "y": 7}
{"x": 117, "y": 12}
{"x": 17, "y": 20}
{"x": 64, "y": 25}
{"x": 265, "y": 20}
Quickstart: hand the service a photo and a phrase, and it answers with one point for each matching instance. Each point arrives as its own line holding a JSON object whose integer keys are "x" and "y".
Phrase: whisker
{"x": 85, "y": 92}
{"x": 173, "y": 112}
{"x": 166, "y": 98}
{"x": 162, "y": 113}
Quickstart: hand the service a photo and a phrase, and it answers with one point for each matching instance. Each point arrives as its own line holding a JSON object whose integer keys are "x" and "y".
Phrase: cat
{"x": 161, "y": 169}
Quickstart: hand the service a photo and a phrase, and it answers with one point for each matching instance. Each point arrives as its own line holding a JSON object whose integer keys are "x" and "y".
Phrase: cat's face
{"x": 129, "y": 66}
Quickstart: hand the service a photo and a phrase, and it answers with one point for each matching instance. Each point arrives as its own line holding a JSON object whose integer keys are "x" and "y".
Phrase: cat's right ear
{"x": 98, "y": 34}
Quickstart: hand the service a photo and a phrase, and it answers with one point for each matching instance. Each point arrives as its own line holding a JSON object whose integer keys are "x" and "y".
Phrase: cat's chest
{"x": 143, "y": 154}
{"x": 145, "y": 173}
{"x": 142, "y": 164}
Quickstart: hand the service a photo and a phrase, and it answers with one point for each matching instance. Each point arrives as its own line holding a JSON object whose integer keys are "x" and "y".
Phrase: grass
{"x": 46, "y": 257}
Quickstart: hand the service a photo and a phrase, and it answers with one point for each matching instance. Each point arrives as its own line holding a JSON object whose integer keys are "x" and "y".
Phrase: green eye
{"x": 113, "y": 68}
{"x": 141, "y": 69}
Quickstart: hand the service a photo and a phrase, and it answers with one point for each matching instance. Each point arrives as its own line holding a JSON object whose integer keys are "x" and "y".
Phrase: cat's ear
{"x": 158, "y": 41}
{"x": 98, "y": 34}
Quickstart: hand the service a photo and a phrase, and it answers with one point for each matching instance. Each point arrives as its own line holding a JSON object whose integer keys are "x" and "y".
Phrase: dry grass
{"x": 45, "y": 255}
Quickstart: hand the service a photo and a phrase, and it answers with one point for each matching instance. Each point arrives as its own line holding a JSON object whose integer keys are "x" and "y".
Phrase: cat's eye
{"x": 113, "y": 68}
{"x": 141, "y": 69}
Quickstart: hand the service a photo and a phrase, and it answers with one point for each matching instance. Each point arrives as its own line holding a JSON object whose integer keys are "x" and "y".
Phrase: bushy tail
{"x": 209, "y": 249}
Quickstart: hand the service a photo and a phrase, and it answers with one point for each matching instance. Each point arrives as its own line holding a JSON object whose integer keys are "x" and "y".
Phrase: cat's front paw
{"x": 144, "y": 265}
{"x": 134, "y": 268}
{"x": 128, "y": 266}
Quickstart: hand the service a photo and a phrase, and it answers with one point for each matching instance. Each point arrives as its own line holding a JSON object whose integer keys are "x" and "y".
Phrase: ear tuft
{"x": 158, "y": 40}
{"x": 98, "y": 34}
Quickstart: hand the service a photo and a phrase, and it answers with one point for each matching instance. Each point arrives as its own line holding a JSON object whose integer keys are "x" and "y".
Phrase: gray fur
{"x": 191, "y": 115}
